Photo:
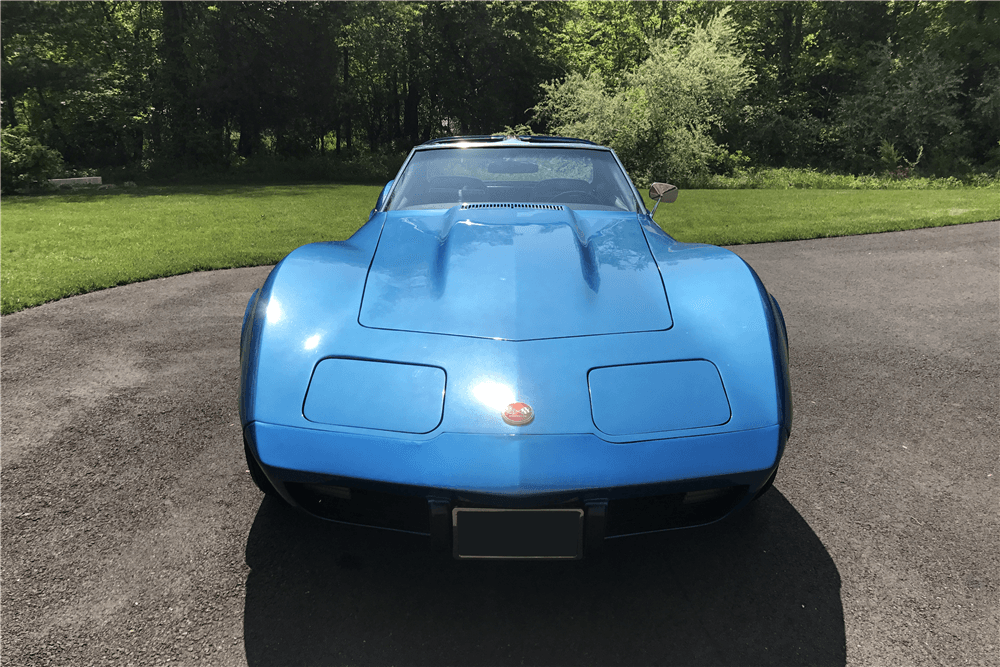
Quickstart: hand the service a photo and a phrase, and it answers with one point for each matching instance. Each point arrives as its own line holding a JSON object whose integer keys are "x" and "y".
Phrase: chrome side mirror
{"x": 662, "y": 192}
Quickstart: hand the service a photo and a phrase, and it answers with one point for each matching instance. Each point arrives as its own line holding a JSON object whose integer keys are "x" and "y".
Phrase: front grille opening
{"x": 366, "y": 508}
{"x": 546, "y": 207}
{"x": 627, "y": 516}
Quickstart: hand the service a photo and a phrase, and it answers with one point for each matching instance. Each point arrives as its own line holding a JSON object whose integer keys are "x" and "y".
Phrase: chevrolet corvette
{"x": 511, "y": 357}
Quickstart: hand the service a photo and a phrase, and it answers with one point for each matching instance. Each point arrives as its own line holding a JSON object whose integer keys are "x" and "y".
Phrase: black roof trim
{"x": 528, "y": 138}
{"x": 549, "y": 139}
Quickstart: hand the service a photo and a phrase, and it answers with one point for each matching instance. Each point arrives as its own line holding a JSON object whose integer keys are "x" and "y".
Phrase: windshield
{"x": 578, "y": 178}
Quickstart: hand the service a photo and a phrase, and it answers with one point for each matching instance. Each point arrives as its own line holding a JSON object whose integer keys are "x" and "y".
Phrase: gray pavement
{"x": 131, "y": 533}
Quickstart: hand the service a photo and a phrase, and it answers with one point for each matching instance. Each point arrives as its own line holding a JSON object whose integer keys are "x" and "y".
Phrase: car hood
{"x": 514, "y": 272}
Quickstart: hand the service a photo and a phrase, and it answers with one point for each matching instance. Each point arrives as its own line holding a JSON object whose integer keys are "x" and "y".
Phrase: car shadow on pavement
{"x": 758, "y": 589}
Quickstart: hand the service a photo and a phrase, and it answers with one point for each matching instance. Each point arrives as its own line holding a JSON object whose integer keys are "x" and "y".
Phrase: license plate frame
{"x": 486, "y": 533}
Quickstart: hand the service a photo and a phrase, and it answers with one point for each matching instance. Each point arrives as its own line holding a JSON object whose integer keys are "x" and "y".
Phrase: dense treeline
{"x": 682, "y": 89}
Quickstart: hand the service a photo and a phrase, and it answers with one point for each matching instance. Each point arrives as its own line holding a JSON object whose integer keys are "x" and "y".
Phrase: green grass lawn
{"x": 734, "y": 217}
{"x": 59, "y": 245}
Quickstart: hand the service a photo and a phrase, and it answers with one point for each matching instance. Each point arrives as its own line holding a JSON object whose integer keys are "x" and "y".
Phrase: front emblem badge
{"x": 518, "y": 414}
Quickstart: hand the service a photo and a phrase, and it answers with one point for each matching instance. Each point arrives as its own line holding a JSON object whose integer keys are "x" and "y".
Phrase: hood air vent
{"x": 547, "y": 207}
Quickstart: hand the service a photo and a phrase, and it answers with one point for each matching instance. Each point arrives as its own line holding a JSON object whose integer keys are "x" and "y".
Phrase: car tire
{"x": 257, "y": 473}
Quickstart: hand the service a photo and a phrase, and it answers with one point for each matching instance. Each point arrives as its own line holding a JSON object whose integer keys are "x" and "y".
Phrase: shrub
{"x": 25, "y": 164}
{"x": 784, "y": 179}
{"x": 662, "y": 119}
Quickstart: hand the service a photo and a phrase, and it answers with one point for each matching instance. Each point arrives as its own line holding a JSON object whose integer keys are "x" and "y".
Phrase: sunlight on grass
{"x": 733, "y": 217}
{"x": 60, "y": 245}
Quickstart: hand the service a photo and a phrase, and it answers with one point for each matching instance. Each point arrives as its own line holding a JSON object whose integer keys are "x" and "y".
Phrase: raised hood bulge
{"x": 520, "y": 272}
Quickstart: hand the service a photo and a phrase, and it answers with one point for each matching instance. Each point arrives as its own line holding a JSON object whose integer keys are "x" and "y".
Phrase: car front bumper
{"x": 415, "y": 485}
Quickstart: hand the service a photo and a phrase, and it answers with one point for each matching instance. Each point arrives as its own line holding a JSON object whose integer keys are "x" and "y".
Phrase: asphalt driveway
{"x": 132, "y": 534}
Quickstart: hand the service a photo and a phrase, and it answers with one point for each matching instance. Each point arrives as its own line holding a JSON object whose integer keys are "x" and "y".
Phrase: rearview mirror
{"x": 663, "y": 192}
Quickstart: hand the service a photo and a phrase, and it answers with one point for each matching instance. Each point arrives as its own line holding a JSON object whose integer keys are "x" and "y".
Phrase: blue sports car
{"x": 512, "y": 358}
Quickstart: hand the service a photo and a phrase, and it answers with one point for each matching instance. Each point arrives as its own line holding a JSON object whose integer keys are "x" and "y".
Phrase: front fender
{"x": 314, "y": 286}
{"x": 717, "y": 290}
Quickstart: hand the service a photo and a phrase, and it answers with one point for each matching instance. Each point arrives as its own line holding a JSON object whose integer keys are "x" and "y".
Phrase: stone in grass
{"x": 79, "y": 180}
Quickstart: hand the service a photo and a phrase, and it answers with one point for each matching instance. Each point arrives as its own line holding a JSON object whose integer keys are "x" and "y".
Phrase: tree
{"x": 26, "y": 162}
{"x": 964, "y": 35}
{"x": 610, "y": 38}
{"x": 196, "y": 84}
{"x": 662, "y": 119}
{"x": 911, "y": 103}
{"x": 275, "y": 72}
{"x": 488, "y": 60}
{"x": 76, "y": 74}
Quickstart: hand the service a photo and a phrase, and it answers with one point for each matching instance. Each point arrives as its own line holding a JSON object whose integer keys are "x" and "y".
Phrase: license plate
{"x": 517, "y": 534}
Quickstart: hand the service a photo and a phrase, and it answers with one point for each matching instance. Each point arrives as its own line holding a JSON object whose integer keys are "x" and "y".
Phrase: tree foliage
{"x": 664, "y": 116}
{"x": 27, "y": 164}
{"x": 679, "y": 88}
{"x": 907, "y": 103}
{"x": 76, "y": 74}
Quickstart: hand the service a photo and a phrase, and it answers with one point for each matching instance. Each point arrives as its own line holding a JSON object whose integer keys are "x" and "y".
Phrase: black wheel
{"x": 257, "y": 474}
